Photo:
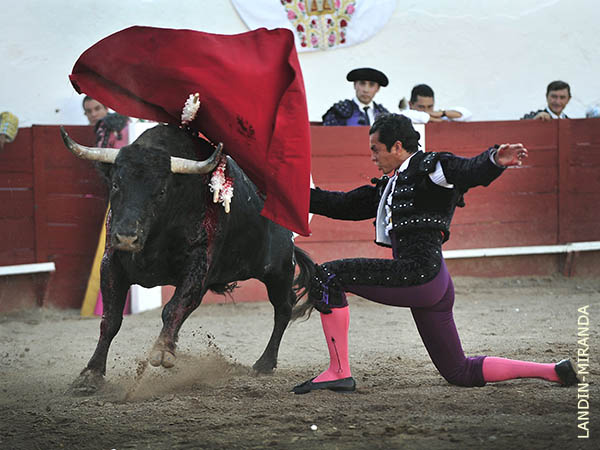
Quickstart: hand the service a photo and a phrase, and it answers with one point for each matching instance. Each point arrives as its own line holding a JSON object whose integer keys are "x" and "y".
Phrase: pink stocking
{"x": 335, "y": 327}
{"x": 500, "y": 369}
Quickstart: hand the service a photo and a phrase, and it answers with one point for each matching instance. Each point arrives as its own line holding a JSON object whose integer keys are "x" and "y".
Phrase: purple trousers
{"x": 431, "y": 306}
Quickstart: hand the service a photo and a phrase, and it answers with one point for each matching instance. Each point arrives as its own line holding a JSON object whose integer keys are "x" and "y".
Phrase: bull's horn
{"x": 107, "y": 155}
{"x": 182, "y": 165}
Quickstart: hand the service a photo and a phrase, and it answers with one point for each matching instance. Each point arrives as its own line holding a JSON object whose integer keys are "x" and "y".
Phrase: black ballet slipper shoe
{"x": 566, "y": 373}
{"x": 343, "y": 385}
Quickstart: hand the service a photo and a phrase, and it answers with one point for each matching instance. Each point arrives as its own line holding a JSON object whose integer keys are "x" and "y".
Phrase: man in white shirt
{"x": 361, "y": 110}
{"x": 422, "y": 108}
{"x": 558, "y": 94}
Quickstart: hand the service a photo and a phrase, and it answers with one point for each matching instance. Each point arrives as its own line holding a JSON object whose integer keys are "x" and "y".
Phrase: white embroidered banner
{"x": 319, "y": 24}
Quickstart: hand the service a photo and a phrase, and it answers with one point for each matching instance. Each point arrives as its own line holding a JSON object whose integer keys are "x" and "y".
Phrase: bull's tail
{"x": 302, "y": 282}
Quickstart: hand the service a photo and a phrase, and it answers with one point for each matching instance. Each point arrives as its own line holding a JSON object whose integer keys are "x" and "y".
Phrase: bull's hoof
{"x": 87, "y": 383}
{"x": 263, "y": 367}
{"x": 162, "y": 358}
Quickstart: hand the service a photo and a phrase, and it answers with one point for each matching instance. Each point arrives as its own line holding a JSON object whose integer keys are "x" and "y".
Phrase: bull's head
{"x": 140, "y": 177}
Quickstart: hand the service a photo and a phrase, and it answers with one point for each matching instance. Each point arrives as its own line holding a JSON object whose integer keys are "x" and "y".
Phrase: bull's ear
{"x": 105, "y": 169}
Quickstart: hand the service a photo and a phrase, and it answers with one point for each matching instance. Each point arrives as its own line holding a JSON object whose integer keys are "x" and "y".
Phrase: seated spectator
{"x": 9, "y": 127}
{"x": 110, "y": 128}
{"x": 422, "y": 108}
{"x": 361, "y": 110}
{"x": 558, "y": 94}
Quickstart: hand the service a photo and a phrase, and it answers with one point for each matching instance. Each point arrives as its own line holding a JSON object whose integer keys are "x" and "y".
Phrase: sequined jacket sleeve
{"x": 339, "y": 113}
{"x": 466, "y": 173}
{"x": 358, "y": 204}
{"x": 532, "y": 114}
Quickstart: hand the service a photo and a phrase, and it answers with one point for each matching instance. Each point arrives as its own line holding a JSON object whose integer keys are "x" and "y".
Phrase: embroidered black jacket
{"x": 421, "y": 215}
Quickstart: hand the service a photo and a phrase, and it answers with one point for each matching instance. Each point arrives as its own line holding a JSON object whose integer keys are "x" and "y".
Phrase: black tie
{"x": 366, "y": 108}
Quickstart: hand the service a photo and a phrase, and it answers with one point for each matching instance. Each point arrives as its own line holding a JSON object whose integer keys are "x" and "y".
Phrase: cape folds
{"x": 251, "y": 92}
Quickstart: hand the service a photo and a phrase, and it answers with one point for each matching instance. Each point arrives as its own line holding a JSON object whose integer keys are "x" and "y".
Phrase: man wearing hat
{"x": 361, "y": 110}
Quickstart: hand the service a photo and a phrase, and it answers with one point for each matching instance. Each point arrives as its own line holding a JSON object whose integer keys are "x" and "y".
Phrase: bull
{"x": 163, "y": 228}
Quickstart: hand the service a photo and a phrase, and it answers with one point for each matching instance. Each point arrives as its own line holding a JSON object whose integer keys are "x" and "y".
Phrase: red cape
{"x": 251, "y": 92}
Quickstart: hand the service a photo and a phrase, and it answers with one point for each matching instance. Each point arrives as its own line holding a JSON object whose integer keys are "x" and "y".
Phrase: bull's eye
{"x": 115, "y": 187}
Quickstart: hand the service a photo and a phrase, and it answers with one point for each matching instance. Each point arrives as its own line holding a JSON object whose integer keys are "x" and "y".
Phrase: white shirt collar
{"x": 554, "y": 116}
{"x": 404, "y": 165}
{"x": 361, "y": 104}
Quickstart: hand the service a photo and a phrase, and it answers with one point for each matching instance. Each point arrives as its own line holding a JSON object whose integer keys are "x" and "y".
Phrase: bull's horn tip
{"x": 65, "y": 137}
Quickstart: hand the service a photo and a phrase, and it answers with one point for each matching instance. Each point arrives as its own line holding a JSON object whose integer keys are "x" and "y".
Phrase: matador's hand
{"x": 511, "y": 155}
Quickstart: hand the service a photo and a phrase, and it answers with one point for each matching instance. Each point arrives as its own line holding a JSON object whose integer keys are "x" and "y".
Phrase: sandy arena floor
{"x": 211, "y": 399}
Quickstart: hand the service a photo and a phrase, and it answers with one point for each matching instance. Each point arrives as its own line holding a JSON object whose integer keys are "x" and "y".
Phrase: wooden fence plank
{"x": 38, "y": 146}
{"x": 16, "y": 203}
{"x": 564, "y": 157}
{"x": 17, "y": 232}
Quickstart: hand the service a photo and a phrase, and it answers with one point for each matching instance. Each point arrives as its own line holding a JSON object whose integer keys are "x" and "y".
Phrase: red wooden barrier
{"x": 52, "y": 204}
{"x": 51, "y": 209}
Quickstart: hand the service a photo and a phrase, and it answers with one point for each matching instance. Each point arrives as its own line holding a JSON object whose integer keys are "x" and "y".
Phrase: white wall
{"x": 494, "y": 58}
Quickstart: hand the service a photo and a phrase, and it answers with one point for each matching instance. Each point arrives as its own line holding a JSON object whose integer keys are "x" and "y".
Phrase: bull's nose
{"x": 126, "y": 242}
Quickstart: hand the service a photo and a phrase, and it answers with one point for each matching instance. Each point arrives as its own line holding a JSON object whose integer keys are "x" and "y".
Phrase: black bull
{"x": 164, "y": 229}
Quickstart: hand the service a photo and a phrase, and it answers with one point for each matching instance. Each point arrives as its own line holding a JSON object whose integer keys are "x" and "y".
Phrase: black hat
{"x": 368, "y": 74}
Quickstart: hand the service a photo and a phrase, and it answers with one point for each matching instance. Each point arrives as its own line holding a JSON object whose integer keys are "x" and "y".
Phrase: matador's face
{"x": 386, "y": 160}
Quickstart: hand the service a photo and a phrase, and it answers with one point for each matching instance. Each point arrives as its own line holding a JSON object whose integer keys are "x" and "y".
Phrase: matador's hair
{"x": 396, "y": 127}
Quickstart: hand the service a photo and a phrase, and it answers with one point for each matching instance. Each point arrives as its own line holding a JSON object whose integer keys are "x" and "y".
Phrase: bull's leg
{"x": 114, "y": 294}
{"x": 184, "y": 301}
{"x": 281, "y": 297}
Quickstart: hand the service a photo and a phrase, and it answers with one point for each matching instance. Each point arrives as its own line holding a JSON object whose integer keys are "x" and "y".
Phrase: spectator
{"x": 93, "y": 110}
{"x": 558, "y": 94}
{"x": 361, "y": 110}
{"x": 110, "y": 128}
{"x": 422, "y": 108}
{"x": 9, "y": 127}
